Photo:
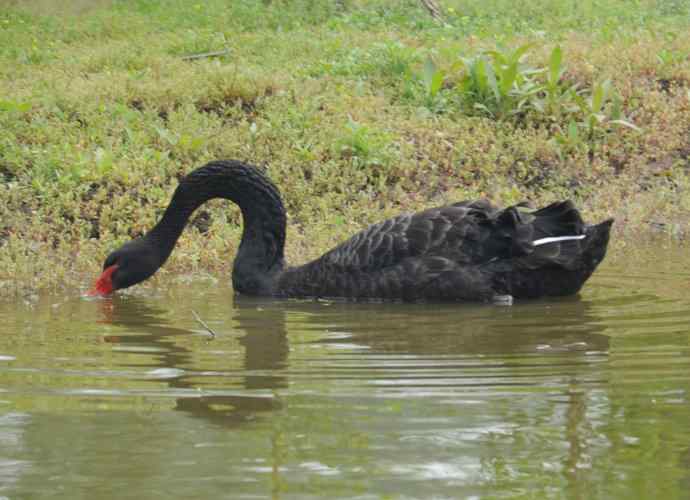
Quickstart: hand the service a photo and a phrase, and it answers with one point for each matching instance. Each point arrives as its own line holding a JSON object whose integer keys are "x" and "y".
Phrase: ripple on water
{"x": 164, "y": 373}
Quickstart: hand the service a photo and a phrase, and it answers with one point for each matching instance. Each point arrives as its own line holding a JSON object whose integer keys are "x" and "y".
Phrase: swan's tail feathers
{"x": 581, "y": 252}
{"x": 559, "y": 223}
{"x": 558, "y": 219}
{"x": 596, "y": 243}
{"x": 561, "y": 254}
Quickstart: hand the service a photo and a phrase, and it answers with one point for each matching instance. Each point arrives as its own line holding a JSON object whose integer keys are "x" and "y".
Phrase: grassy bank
{"x": 358, "y": 110}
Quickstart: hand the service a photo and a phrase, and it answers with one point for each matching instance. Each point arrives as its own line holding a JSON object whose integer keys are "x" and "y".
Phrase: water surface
{"x": 584, "y": 397}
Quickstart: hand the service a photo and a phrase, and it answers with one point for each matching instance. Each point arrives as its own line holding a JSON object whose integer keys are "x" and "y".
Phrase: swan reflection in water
{"x": 265, "y": 350}
{"x": 565, "y": 327}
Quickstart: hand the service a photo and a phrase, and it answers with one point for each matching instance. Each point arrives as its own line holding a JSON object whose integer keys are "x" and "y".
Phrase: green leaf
{"x": 436, "y": 83}
{"x": 531, "y": 88}
{"x": 572, "y": 89}
{"x": 21, "y": 107}
{"x": 104, "y": 160}
{"x": 497, "y": 56}
{"x": 460, "y": 64}
{"x": 616, "y": 111}
{"x": 167, "y": 136}
{"x": 581, "y": 103}
{"x": 479, "y": 74}
{"x": 429, "y": 72}
{"x": 626, "y": 123}
{"x": 493, "y": 84}
{"x": 538, "y": 104}
{"x": 572, "y": 131}
{"x": 597, "y": 97}
{"x": 520, "y": 105}
{"x": 600, "y": 95}
{"x": 532, "y": 71}
{"x": 520, "y": 52}
{"x": 482, "y": 107}
{"x": 466, "y": 84}
{"x": 555, "y": 71}
{"x": 508, "y": 76}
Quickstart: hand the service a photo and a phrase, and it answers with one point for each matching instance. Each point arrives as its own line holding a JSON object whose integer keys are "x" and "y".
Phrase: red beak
{"x": 104, "y": 284}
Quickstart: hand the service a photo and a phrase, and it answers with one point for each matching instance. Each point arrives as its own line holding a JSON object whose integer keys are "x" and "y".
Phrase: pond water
{"x": 585, "y": 397}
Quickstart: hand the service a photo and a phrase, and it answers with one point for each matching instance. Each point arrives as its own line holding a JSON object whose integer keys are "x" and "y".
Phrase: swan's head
{"x": 130, "y": 264}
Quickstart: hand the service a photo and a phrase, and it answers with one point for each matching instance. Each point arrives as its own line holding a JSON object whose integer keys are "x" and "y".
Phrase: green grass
{"x": 359, "y": 110}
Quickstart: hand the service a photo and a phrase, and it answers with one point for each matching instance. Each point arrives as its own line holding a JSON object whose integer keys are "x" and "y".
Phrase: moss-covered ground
{"x": 358, "y": 110}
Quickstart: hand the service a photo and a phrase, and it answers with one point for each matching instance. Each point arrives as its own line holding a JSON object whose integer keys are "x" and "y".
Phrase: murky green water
{"x": 131, "y": 398}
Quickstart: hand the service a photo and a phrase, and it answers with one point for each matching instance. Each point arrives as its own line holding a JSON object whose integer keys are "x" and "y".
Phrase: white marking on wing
{"x": 556, "y": 239}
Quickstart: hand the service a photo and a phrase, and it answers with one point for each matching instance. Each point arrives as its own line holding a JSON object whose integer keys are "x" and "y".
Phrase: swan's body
{"x": 465, "y": 251}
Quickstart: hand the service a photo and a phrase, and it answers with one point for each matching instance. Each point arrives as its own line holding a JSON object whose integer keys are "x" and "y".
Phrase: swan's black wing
{"x": 465, "y": 233}
{"x": 433, "y": 231}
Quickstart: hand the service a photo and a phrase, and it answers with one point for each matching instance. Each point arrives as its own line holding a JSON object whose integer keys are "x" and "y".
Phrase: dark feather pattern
{"x": 469, "y": 251}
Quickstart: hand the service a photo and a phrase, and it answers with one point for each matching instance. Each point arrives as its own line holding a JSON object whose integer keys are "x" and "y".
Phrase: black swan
{"x": 468, "y": 251}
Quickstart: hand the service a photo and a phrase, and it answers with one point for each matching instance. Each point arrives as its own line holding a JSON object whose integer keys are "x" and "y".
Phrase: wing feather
{"x": 445, "y": 231}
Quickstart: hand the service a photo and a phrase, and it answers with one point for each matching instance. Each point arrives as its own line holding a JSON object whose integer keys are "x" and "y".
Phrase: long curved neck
{"x": 260, "y": 255}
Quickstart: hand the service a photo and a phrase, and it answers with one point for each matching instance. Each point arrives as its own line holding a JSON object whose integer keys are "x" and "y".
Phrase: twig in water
{"x": 206, "y": 54}
{"x": 203, "y": 323}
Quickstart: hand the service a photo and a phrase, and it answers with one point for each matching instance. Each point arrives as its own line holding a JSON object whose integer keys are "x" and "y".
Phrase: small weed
{"x": 668, "y": 58}
{"x": 363, "y": 145}
{"x": 393, "y": 60}
{"x": 200, "y": 41}
{"x": 19, "y": 107}
{"x": 568, "y": 141}
{"x": 669, "y": 61}
{"x": 388, "y": 62}
{"x": 601, "y": 109}
{"x": 597, "y": 113}
{"x": 498, "y": 83}
{"x": 432, "y": 79}
{"x": 555, "y": 99}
